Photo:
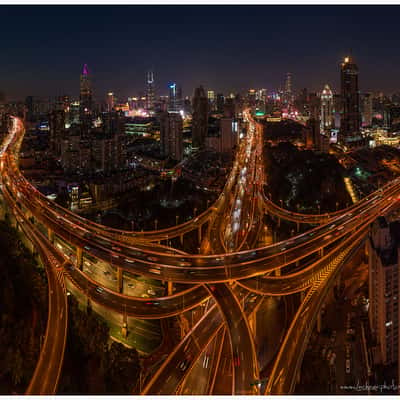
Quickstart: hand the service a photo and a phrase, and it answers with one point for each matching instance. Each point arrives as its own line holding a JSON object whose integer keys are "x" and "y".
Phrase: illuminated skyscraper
{"x": 211, "y": 99}
{"x": 150, "y": 91}
{"x": 171, "y": 128}
{"x": 327, "y": 110}
{"x": 200, "y": 118}
{"x": 174, "y": 97}
{"x": 351, "y": 118}
{"x": 110, "y": 101}
{"x": 85, "y": 97}
{"x": 287, "y": 95}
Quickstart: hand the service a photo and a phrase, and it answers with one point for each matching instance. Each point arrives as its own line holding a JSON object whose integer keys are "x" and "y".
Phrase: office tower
{"x": 171, "y": 129}
{"x": 287, "y": 93}
{"x": 367, "y": 109}
{"x": 200, "y": 117}
{"x": 110, "y": 101}
{"x": 211, "y": 99}
{"x": 262, "y": 95}
{"x": 220, "y": 103}
{"x": 175, "y": 98}
{"x": 57, "y": 129}
{"x": 314, "y": 105}
{"x": 384, "y": 280}
{"x": 150, "y": 92}
{"x": 251, "y": 97}
{"x": 351, "y": 119}
{"x": 85, "y": 98}
{"x": 327, "y": 110}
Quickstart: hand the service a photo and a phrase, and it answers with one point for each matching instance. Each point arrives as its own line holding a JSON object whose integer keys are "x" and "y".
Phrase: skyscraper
{"x": 171, "y": 128}
{"x": 85, "y": 97}
{"x": 200, "y": 117}
{"x": 287, "y": 94}
{"x": 367, "y": 109}
{"x": 326, "y": 115}
{"x": 351, "y": 118}
{"x": 150, "y": 92}
{"x": 110, "y": 101}
{"x": 174, "y": 97}
{"x": 211, "y": 99}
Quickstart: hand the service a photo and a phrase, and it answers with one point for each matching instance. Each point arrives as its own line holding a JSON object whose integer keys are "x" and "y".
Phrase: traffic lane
{"x": 245, "y": 365}
{"x": 144, "y": 308}
{"x": 174, "y": 369}
{"x": 292, "y": 350}
{"x": 172, "y": 363}
{"x": 258, "y": 253}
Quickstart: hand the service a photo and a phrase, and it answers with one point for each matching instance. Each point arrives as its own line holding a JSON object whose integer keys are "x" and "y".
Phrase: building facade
{"x": 171, "y": 129}
{"x": 384, "y": 280}
{"x": 199, "y": 118}
{"x": 350, "y": 122}
{"x": 327, "y": 111}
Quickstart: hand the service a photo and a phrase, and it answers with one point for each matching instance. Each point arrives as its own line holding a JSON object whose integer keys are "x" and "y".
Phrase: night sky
{"x": 225, "y": 48}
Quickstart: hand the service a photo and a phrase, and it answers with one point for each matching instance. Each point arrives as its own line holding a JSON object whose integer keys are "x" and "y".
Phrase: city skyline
{"x": 199, "y": 200}
{"x": 177, "y": 44}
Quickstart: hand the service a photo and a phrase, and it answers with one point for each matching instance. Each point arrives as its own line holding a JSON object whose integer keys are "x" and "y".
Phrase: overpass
{"x": 228, "y": 270}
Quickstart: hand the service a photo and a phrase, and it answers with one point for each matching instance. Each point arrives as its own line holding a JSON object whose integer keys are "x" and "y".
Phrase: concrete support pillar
{"x": 298, "y": 226}
{"x": 50, "y": 235}
{"x": 321, "y": 252}
{"x": 199, "y": 234}
{"x": 279, "y": 222}
{"x": 278, "y": 272}
{"x": 170, "y": 287}
{"x": 181, "y": 238}
{"x": 79, "y": 258}
{"x": 120, "y": 279}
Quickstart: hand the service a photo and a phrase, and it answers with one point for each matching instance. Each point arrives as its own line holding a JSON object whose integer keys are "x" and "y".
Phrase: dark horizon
{"x": 225, "y": 48}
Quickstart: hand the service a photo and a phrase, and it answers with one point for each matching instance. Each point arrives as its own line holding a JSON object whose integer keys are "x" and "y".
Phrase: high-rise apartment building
{"x": 171, "y": 129}
{"x": 384, "y": 280}
{"x": 220, "y": 103}
{"x": 351, "y": 118}
{"x": 327, "y": 110}
{"x": 200, "y": 117}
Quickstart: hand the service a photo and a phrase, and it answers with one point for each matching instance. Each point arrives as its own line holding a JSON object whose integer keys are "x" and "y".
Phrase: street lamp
{"x": 176, "y": 219}
{"x": 194, "y": 211}
{"x": 281, "y": 202}
{"x": 155, "y": 224}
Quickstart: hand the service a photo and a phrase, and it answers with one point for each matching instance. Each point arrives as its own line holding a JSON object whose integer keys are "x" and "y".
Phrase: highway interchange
{"x": 226, "y": 272}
